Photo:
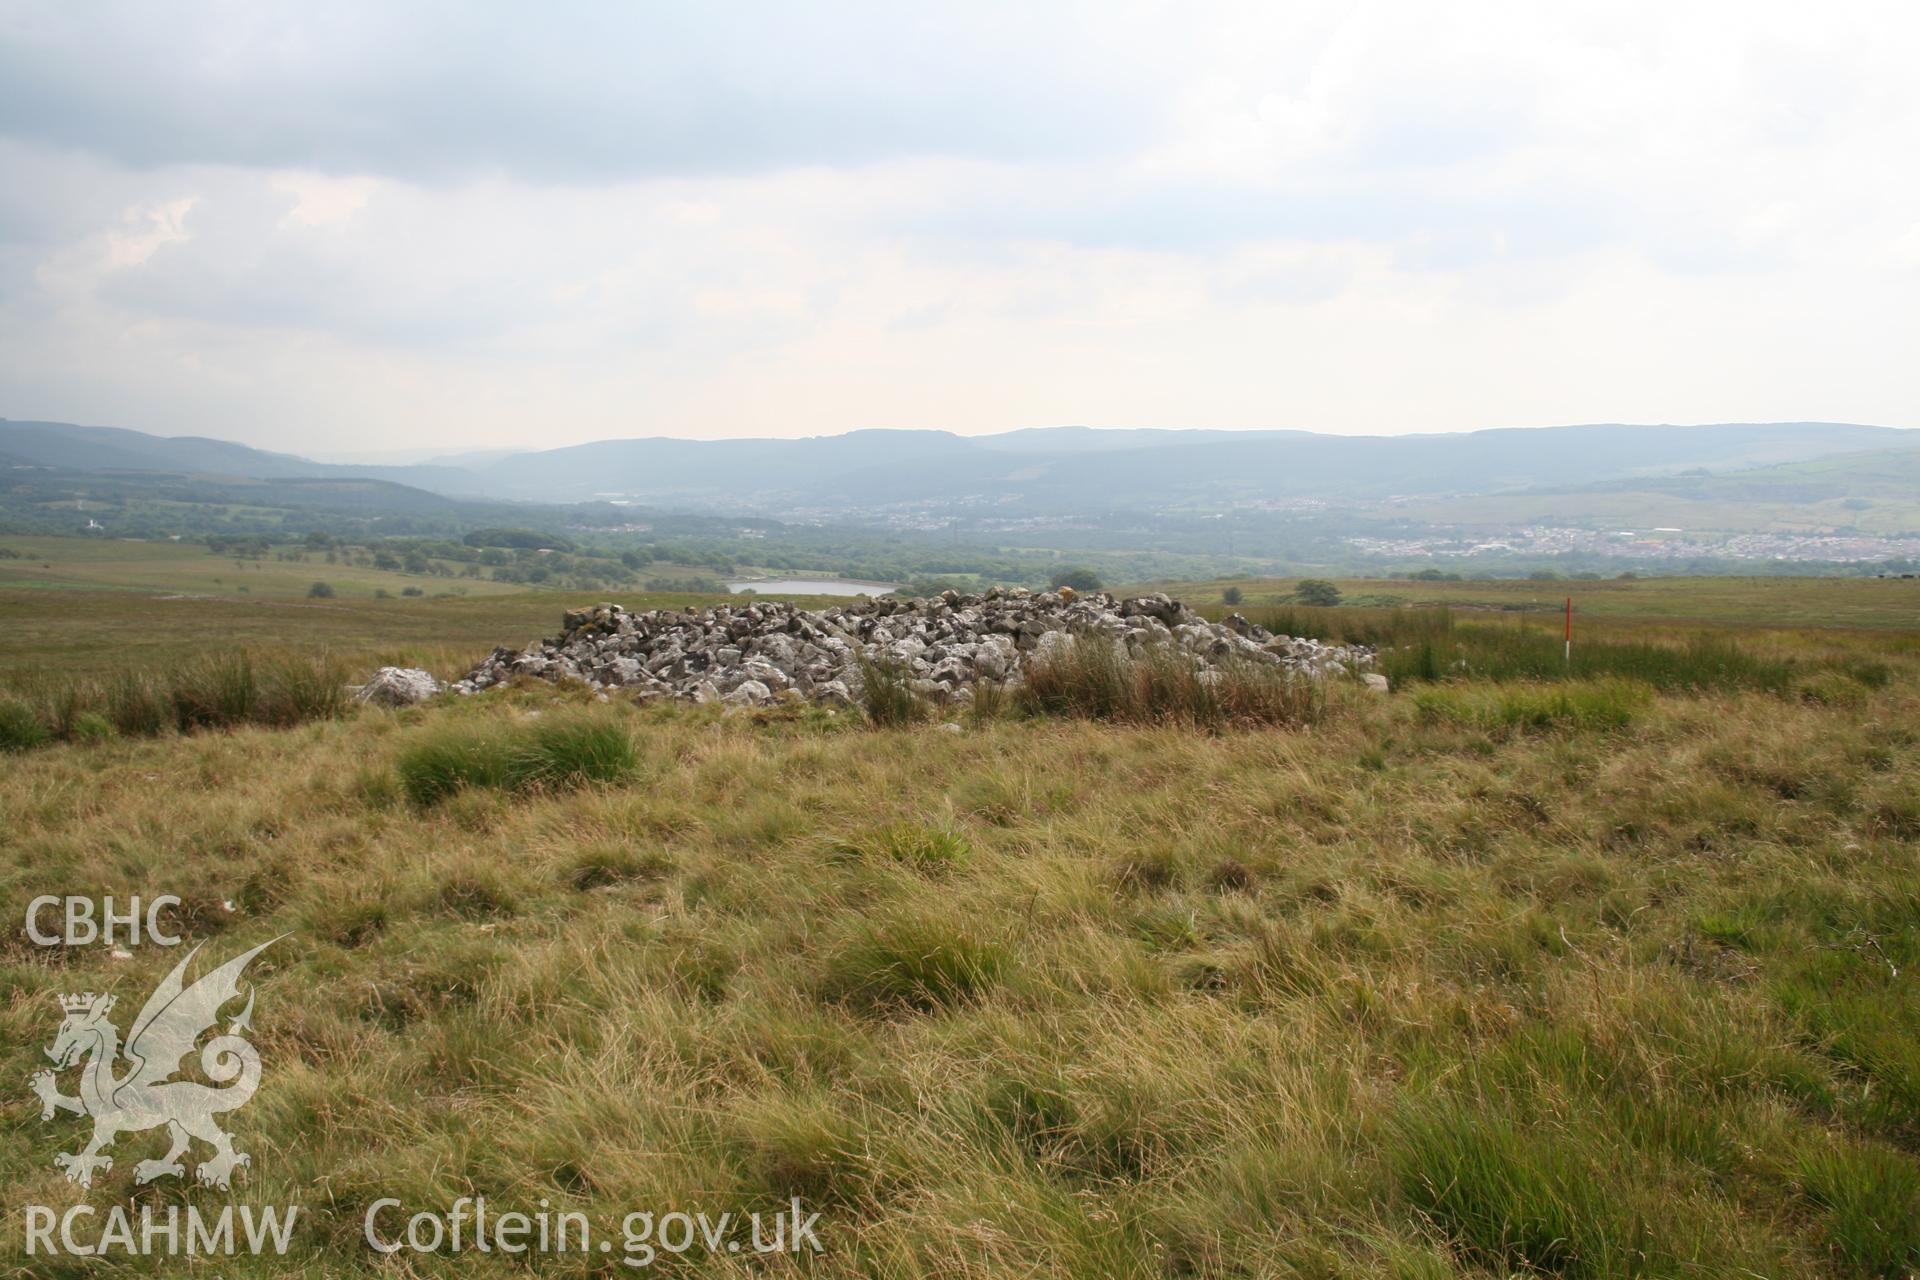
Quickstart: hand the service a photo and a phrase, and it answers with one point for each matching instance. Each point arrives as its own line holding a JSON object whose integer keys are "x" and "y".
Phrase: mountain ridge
{"x": 1066, "y": 469}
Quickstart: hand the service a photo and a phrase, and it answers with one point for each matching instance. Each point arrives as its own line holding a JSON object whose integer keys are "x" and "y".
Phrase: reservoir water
{"x": 812, "y": 587}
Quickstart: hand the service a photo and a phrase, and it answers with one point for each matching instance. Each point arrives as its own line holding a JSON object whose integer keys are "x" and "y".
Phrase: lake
{"x": 812, "y": 587}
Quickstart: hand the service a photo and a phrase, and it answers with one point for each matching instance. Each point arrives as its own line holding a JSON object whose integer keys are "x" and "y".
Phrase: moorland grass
{"x": 20, "y": 728}
{"x": 1870, "y": 1198}
{"x": 1092, "y": 678}
{"x": 1826, "y": 604}
{"x": 911, "y": 960}
{"x": 136, "y": 703}
{"x": 886, "y": 693}
{"x": 214, "y": 692}
{"x": 1519, "y": 1197}
{"x": 1387, "y": 994}
{"x": 220, "y": 690}
{"x": 931, "y": 849}
{"x": 567, "y": 751}
{"x": 293, "y": 691}
{"x": 1433, "y": 645}
{"x": 1601, "y": 704}
{"x": 1501, "y": 653}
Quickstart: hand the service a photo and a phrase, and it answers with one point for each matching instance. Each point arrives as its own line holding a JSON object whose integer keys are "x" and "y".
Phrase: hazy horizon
{"x": 366, "y": 229}
{"x": 416, "y": 455}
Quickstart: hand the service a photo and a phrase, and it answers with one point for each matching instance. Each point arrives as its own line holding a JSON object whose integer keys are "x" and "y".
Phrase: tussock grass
{"x": 1092, "y": 678}
{"x": 136, "y": 704}
{"x": 1487, "y": 652}
{"x": 1603, "y": 704}
{"x": 564, "y": 752}
{"x": 220, "y": 690}
{"x": 20, "y": 728}
{"x": 91, "y": 727}
{"x": 910, "y": 844}
{"x": 1835, "y": 688}
{"x": 1518, "y": 1197}
{"x": 294, "y": 691}
{"x": 454, "y": 759}
{"x": 991, "y": 701}
{"x": 215, "y": 692}
{"x": 605, "y": 866}
{"x": 1871, "y": 1199}
{"x": 912, "y": 961}
{"x": 886, "y": 694}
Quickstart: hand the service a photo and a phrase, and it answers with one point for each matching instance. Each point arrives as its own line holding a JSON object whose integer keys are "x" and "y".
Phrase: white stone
{"x": 398, "y": 687}
{"x": 750, "y": 693}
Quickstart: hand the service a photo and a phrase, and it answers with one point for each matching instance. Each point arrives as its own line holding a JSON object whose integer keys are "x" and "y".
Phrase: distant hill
{"x": 64, "y": 446}
{"x": 1875, "y": 492}
{"x": 748, "y": 470}
{"x": 1077, "y": 468}
{"x": 1058, "y": 470}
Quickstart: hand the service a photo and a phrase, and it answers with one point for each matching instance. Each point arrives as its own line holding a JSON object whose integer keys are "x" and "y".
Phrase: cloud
{"x": 480, "y": 224}
{"x": 570, "y": 92}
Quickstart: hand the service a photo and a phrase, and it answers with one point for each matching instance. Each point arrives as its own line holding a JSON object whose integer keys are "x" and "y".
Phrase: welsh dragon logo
{"x": 146, "y": 1096}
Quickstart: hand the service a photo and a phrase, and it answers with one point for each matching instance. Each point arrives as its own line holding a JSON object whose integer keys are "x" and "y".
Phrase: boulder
{"x": 398, "y": 687}
{"x": 749, "y": 693}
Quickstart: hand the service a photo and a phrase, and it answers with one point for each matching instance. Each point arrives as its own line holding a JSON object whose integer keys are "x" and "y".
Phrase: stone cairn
{"x": 755, "y": 653}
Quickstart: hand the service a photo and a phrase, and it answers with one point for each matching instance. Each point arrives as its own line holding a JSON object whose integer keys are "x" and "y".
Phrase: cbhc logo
{"x": 83, "y": 927}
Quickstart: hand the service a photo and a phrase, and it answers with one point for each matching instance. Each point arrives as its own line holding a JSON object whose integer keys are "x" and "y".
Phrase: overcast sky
{"x": 342, "y": 226}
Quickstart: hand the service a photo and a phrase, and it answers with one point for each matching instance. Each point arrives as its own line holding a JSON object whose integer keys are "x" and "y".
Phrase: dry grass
{"x": 1407, "y": 993}
{"x": 1095, "y": 679}
{"x": 217, "y": 689}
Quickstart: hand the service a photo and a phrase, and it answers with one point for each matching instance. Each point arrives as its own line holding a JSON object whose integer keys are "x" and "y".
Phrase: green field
{"x": 75, "y": 605}
{"x": 80, "y": 605}
{"x": 186, "y": 568}
{"x": 1877, "y": 603}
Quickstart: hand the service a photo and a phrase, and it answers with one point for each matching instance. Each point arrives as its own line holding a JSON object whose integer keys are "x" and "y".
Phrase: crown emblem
{"x": 77, "y": 1004}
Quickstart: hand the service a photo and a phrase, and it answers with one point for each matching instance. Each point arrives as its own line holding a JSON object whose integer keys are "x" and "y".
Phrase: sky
{"x": 350, "y": 227}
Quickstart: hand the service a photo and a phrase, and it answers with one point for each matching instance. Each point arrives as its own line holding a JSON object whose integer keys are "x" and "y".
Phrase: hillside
{"x": 1099, "y": 470}
{"x": 1873, "y": 491}
{"x": 929, "y": 507}
{"x": 66, "y": 447}
{"x": 1064, "y": 469}
{"x": 71, "y": 448}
